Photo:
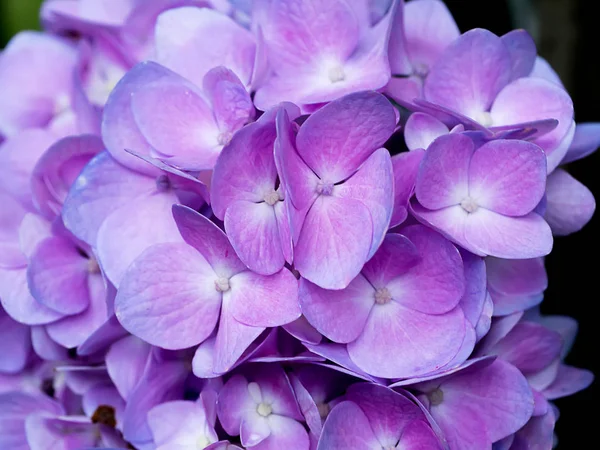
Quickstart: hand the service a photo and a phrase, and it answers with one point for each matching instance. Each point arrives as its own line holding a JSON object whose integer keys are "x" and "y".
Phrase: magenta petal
{"x": 508, "y": 237}
{"x": 396, "y": 256}
{"x": 123, "y": 236}
{"x": 393, "y": 341}
{"x": 103, "y": 186}
{"x": 347, "y": 427}
{"x": 436, "y": 282}
{"x": 339, "y": 137}
{"x": 516, "y": 277}
{"x": 373, "y": 185}
{"x": 570, "y": 205}
{"x": 181, "y": 35}
{"x": 500, "y": 402}
{"x": 168, "y": 297}
{"x": 245, "y": 169}
{"x": 253, "y": 231}
{"x": 234, "y": 400}
{"x": 443, "y": 176}
{"x": 585, "y": 142}
{"x": 474, "y": 298}
{"x": 422, "y": 129}
{"x": 333, "y": 227}
{"x": 58, "y": 276}
{"x": 264, "y": 301}
{"x": 508, "y": 177}
{"x": 522, "y": 50}
{"x": 209, "y": 240}
{"x": 470, "y": 73}
{"x": 298, "y": 180}
{"x": 340, "y": 315}
{"x": 406, "y": 167}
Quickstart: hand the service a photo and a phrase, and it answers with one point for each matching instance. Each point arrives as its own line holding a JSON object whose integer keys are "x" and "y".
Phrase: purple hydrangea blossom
{"x": 220, "y": 243}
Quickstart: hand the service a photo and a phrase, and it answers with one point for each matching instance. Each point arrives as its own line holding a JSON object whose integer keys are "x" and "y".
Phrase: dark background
{"x": 566, "y": 32}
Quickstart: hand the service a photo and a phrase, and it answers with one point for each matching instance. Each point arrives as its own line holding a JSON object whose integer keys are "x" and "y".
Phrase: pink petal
{"x": 470, "y": 73}
{"x": 209, "y": 240}
{"x": 254, "y": 234}
{"x": 398, "y": 342}
{"x": 181, "y": 35}
{"x": 183, "y": 129}
{"x": 373, "y": 185}
{"x": 516, "y": 277}
{"x": 339, "y": 137}
{"x": 436, "y": 281}
{"x": 123, "y": 236}
{"x": 422, "y": 129}
{"x": 334, "y": 227}
{"x": 245, "y": 169}
{"x": 300, "y": 32}
{"x": 119, "y": 129}
{"x": 264, "y": 301}
{"x": 529, "y": 99}
{"x": 168, "y": 297}
{"x": 449, "y": 221}
{"x": 508, "y": 237}
{"x": 429, "y": 28}
{"x": 340, "y": 315}
{"x": 508, "y": 177}
{"x": 396, "y": 256}
{"x": 443, "y": 176}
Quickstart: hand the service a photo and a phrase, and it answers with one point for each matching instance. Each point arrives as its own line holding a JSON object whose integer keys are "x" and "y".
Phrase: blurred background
{"x": 566, "y": 32}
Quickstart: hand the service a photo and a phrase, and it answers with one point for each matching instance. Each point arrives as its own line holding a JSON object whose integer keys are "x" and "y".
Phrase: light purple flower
{"x": 246, "y": 193}
{"x": 405, "y": 300}
{"x": 375, "y": 417}
{"x": 259, "y": 405}
{"x": 483, "y": 198}
{"x": 339, "y": 183}
{"x": 190, "y": 127}
{"x": 320, "y": 51}
{"x": 205, "y": 279}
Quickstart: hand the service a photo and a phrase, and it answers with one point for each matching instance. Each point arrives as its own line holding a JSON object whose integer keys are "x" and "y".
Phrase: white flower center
{"x": 382, "y": 296}
{"x": 271, "y": 197}
{"x": 485, "y": 119}
{"x": 469, "y": 205}
{"x": 92, "y": 265}
{"x": 336, "y": 74}
{"x": 222, "y": 284}
{"x": 224, "y": 138}
{"x": 264, "y": 409}
{"x": 61, "y": 104}
{"x": 202, "y": 442}
{"x": 324, "y": 188}
{"x": 436, "y": 397}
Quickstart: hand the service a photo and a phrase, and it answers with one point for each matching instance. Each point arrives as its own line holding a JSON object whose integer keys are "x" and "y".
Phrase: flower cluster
{"x": 281, "y": 224}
